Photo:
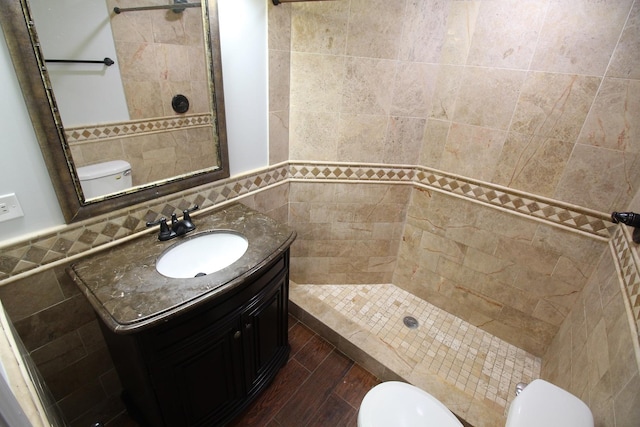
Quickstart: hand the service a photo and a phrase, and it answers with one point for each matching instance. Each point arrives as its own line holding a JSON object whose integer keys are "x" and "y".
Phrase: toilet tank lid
{"x": 99, "y": 170}
{"x": 544, "y": 404}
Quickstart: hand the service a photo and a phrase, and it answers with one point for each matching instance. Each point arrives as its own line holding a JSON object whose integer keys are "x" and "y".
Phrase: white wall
{"x": 22, "y": 168}
{"x": 244, "y": 49}
{"x": 86, "y": 93}
{"x": 243, "y": 36}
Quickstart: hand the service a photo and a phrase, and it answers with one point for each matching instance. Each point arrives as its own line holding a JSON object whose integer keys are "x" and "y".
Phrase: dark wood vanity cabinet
{"x": 203, "y": 367}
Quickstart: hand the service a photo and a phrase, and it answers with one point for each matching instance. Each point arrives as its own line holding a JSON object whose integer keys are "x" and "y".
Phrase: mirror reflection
{"x": 133, "y": 88}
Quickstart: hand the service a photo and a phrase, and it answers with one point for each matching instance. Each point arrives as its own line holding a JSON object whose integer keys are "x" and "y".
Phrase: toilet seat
{"x": 398, "y": 404}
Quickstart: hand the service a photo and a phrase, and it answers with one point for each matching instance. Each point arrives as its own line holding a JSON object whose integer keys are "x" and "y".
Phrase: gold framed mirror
{"x": 135, "y": 138}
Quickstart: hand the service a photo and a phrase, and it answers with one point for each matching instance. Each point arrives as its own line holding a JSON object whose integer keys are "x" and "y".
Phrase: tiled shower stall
{"x": 451, "y": 160}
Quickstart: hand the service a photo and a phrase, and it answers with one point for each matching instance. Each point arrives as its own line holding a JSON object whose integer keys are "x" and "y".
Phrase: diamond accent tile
{"x": 79, "y": 237}
{"x": 629, "y": 266}
{"x": 85, "y": 133}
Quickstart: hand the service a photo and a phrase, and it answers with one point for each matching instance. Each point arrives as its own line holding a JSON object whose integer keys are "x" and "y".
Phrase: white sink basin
{"x": 202, "y": 254}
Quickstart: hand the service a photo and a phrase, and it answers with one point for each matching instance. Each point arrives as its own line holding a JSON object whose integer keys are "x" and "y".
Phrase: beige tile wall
{"x": 347, "y": 233}
{"x": 513, "y": 277}
{"x": 279, "y": 73}
{"x": 160, "y": 55}
{"x": 153, "y": 156}
{"x": 593, "y": 354}
{"x": 541, "y": 96}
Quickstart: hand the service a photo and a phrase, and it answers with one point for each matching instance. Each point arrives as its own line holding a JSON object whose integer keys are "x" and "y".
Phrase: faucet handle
{"x": 165, "y": 232}
{"x": 186, "y": 212}
{"x": 186, "y": 218}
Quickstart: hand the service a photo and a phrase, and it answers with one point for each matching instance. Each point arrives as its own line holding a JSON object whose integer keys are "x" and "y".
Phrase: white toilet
{"x": 540, "y": 404}
{"x": 104, "y": 178}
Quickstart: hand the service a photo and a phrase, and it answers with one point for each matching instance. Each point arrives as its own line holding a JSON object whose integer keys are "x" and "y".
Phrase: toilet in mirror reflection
{"x": 104, "y": 178}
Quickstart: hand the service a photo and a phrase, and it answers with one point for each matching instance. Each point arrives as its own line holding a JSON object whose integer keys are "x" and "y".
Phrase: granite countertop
{"x": 129, "y": 295}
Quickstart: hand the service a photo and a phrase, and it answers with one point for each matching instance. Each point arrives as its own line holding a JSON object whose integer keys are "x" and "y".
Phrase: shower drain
{"x": 410, "y": 322}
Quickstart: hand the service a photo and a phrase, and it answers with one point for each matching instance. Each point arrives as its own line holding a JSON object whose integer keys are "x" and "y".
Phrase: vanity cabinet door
{"x": 266, "y": 339}
{"x": 200, "y": 382}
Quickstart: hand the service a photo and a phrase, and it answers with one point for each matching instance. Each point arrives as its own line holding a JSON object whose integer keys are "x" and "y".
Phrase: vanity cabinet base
{"x": 203, "y": 367}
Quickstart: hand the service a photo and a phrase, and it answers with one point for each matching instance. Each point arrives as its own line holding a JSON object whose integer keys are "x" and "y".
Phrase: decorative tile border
{"x": 593, "y": 223}
{"x": 81, "y": 237}
{"x": 134, "y": 127}
{"x": 629, "y": 268}
{"x": 78, "y": 238}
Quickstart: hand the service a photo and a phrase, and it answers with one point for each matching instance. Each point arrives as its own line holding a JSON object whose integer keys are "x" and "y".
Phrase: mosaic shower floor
{"x": 472, "y": 361}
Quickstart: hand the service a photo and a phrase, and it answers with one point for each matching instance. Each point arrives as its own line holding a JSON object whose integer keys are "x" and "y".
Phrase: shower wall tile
{"x": 414, "y": 87}
{"x": 132, "y": 27}
{"x": 608, "y": 124}
{"x": 173, "y": 62}
{"x": 362, "y": 92}
{"x": 532, "y": 163}
{"x": 379, "y": 17}
{"x": 159, "y": 54}
{"x": 531, "y": 69}
{"x": 625, "y": 63}
{"x": 278, "y": 136}
{"x": 320, "y": 27}
{"x": 554, "y": 105}
{"x": 579, "y": 36}
{"x": 506, "y": 32}
{"x": 362, "y": 130}
{"x": 144, "y": 97}
{"x": 437, "y": 31}
{"x": 433, "y": 142}
{"x": 593, "y": 355}
{"x": 345, "y": 233}
{"x": 279, "y": 85}
{"x": 316, "y": 82}
{"x": 487, "y": 97}
{"x": 279, "y": 25}
{"x": 613, "y": 177}
{"x": 472, "y": 150}
{"x": 279, "y": 44}
{"x": 448, "y": 83}
{"x": 197, "y": 67}
{"x": 313, "y": 135}
{"x": 509, "y": 283}
{"x": 155, "y": 156}
{"x": 403, "y": 140}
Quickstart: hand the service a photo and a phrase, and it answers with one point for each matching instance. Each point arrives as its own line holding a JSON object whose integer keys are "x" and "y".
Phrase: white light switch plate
{"x": 9, "y": 207}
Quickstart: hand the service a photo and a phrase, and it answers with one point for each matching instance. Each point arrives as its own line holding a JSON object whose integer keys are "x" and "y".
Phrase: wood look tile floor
{"x": 319, "y": 386}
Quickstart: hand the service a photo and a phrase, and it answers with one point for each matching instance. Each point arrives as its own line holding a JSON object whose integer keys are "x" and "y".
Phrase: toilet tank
{"x": 105, "y": 178}
{"x": 544, "y": 404}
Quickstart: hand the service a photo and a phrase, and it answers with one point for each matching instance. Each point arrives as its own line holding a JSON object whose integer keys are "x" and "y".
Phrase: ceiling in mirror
{"x": 128, "y": 82}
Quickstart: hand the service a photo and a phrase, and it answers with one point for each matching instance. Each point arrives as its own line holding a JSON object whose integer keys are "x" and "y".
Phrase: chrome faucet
{"x": 178, "y": 227}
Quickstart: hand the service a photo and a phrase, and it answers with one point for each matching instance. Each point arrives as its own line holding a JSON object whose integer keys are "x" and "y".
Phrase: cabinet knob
{"x": 237, "y": 335}
{"x": 247, "y": 325}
